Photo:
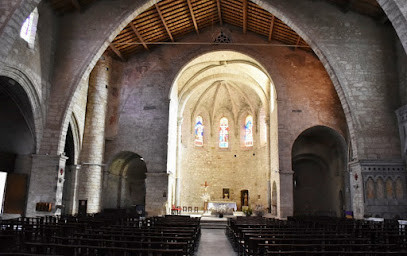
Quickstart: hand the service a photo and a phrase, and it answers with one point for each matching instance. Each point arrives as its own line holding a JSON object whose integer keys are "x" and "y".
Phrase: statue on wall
{"x": 226, "y": 194}
{"x": 244, "y": 197}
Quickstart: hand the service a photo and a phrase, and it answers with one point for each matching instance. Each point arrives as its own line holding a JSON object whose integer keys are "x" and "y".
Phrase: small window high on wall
{"x": 29, "y": 28}
{"x": 224, "y": 133}
{"x": 248, "y": 128}
{"x": 199, "y": 129}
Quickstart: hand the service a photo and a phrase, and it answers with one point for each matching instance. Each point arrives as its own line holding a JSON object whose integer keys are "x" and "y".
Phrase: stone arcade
{"x": 310, "y": 121}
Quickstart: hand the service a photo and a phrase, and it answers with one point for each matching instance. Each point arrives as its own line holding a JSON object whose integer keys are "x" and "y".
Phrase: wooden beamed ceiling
{"x": 169, "y": 20}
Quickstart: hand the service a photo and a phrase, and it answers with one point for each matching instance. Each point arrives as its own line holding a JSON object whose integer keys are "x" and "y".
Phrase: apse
{"x": 222, "y": 112}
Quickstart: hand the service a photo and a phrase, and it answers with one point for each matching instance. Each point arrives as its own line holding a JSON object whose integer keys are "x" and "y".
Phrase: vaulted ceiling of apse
{"x": 169, "y": 20}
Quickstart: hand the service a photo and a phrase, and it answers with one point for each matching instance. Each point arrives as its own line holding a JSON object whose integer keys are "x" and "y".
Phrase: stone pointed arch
{"x": 38, "y": 110}
{"x": 396, "y": 11}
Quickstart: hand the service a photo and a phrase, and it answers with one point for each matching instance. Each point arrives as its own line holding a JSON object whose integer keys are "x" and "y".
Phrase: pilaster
{"x": 286, "y": 204}
{"x": 46, "y": 183}
{"x": 156, "y": 198}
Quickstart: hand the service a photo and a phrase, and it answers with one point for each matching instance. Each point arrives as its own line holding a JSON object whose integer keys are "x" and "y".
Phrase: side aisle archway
{"x": 319, "y": 165}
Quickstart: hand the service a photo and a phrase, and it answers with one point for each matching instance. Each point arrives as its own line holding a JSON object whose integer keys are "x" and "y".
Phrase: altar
{"x": 215, "y": 205}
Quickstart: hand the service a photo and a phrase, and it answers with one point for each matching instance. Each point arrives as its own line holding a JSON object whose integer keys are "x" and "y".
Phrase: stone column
{"x": 356, "y": 189}
{"x": 402, "y": 120}
{"x": 74, "y": 189}
{"x": 46, "y": 183}
{"x": 91, "y": 158}
{"x": 155, "y": 197}
{"x": 286, "y": 194}
{"x": 178, "y": 173}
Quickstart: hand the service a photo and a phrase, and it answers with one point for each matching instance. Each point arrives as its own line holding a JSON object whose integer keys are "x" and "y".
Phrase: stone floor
{"x": 214, "y": 243}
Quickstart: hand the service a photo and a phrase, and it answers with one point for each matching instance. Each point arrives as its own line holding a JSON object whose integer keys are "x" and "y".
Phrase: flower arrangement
{"x": 248, "y": 211}
{"x": 259, "y": 210}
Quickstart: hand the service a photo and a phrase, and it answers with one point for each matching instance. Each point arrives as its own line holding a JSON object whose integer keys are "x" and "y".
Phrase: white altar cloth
{"x": 216, "y": 204}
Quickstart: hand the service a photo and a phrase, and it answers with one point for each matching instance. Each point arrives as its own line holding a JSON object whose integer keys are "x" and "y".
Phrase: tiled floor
{"x": 214, "y": 243}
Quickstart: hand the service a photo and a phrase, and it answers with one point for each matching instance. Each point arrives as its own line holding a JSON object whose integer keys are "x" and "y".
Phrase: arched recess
{"x": 70, "y": 175}
{"x": 17, "y": 142}
{"x": 11, "y": 76}
{"x": 124, "y": 182}
{"x": 216, "y": 85}
{"x": 319, "y": 162}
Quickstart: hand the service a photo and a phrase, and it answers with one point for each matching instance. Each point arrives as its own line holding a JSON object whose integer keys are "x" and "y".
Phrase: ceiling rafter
{"x": 271, "y": 27}
{"x": 163, "y": 21}
{"x": 219, "y": 12}
{"x": 140, "y": 38}
{"x": 245, "y": 16}
{"x": 191, "y": 10}
{"x": 117, "y": 52}
{"x": 298, "y": 42}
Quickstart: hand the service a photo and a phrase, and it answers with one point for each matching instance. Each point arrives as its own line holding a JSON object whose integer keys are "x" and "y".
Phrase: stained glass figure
{"x": 199, "y": 129}
{"x": 248, "y": 136}
{"x": 224, "y": 133}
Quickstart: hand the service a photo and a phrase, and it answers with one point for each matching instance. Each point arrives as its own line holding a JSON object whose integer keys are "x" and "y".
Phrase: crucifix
{"x": 206, "y": 185}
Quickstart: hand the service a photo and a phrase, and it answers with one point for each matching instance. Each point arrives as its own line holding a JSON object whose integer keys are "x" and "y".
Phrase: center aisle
{"x": 214, "y": 242}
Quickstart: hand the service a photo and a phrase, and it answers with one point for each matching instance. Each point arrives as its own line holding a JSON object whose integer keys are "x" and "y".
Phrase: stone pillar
{"x": 156, "y": 189}
{"x": 177, "y": 191}
{"x": 74, "y": 190}
{"x": 178, "y": 173}
{"x": 356, "y": 190}
{"x": 171, "y": 192}
{"x": 286, "y": 205}
{"x": 402, "y": 120}
{"x": 91, "y": 158}
{"x": 46, "y": 183}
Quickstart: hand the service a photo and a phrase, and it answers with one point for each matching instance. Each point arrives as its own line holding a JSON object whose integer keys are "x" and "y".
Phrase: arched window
{"x": 29, "y": 28}
{"x": 224, "y": 133}
{"x": 248, "y": 128}
{"x": 199, "y": 129}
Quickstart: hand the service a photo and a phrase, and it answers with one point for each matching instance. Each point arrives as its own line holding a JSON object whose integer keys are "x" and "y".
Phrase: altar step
{"x": 213, "y": 223}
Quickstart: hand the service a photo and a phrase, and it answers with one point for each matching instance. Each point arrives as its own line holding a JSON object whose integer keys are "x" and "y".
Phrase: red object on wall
{"x": 61, "y": 171}
{"x": 356, "y": 176}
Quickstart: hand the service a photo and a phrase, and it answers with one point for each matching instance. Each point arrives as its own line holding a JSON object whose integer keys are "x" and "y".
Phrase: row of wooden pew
{"x": 100, "y": 235}
{"x": 315, "y": 236}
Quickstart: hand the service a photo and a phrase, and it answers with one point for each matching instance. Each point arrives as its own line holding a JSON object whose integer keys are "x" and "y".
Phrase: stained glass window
{"x": 29, "y": 28}
{"x": 248, "y": 136}
{"x": 224, "y": 133}
{"x": 199, "y": 129}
